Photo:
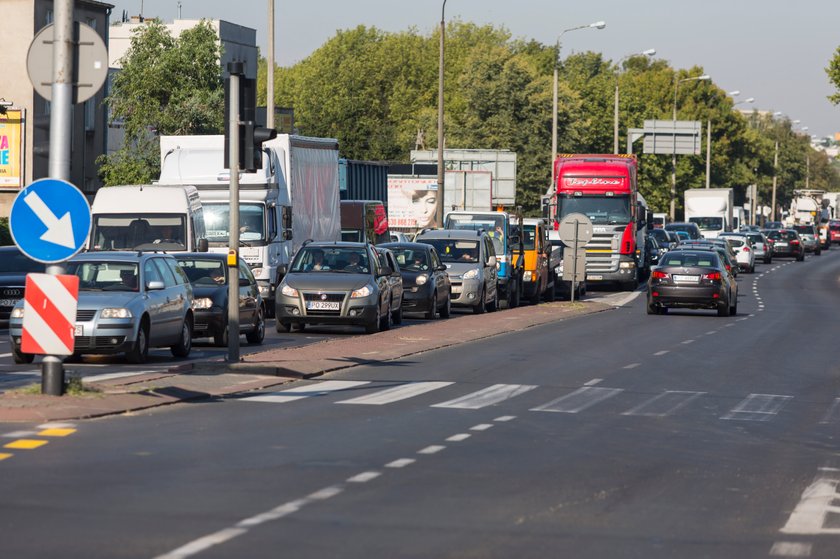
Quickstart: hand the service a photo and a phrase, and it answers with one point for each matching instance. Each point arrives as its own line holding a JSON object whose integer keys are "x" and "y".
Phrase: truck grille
{"x": 602, "y": 252}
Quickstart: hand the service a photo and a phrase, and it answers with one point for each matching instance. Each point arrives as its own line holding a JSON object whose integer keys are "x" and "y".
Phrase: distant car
{"x": 208, "y": 274}
{"x": 389, "y": 259}
{"x": 335, "y": 283}
{"x": 786, "y": 242}
{"x": 724, "y": 253}
{"x": 744, "y": 253}
{"x": 471, "y": 264}
{"x": 774, "y": 225}
{"x": 683, "y": 235}
{"x": 834, "y": 230}
{"x": 14, "y": 265}
{"x": 665, "y": 239}
{"x": 397, "y": 237}
{"x": 746, "y": 228}
{"x": 730, "y": 259}
{"x": 694, "y": 279}
{"x": 128, "y": 302}
{"x": 810, "y": 238}
{"x": 761, "y": 246}
{"x": 426, "y": 285}
{"x": 692, "y": 229}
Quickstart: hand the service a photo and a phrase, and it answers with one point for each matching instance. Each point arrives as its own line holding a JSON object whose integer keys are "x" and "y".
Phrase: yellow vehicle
{"x": 537, "y": 279}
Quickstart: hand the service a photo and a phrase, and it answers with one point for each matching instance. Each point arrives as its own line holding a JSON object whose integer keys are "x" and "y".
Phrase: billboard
{"x": 11, "y": 149}
{"x": 412, "y": 202}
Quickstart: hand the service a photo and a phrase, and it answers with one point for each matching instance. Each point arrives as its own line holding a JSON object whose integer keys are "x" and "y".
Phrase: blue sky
{"x": 773, "y": 50}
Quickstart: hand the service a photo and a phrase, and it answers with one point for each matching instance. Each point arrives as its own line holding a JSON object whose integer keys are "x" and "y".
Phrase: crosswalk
{"x": 754, "y": 407}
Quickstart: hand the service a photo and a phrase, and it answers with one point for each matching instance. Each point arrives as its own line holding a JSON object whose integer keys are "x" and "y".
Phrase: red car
{"x": 834, "y": 230}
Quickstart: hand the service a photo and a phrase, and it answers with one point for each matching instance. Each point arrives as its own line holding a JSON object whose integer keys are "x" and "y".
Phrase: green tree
{"x": 833, "y": 72}
{"x": 166, "y": 86}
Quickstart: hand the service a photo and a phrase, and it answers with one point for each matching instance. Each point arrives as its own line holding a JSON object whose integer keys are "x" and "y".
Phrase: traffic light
{"x": 251, "y": 136}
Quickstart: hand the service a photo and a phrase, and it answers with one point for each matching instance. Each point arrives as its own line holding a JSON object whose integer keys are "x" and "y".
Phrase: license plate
{"x": 781, "y": 244}
{"x": 686, "y": 278}
{"x": 594, "y": 277}
{"x": 79, "y": 331}
{"x": 8, "y": 302}
{"x": 323, "y": 306}
{"x": 456, "y": 289}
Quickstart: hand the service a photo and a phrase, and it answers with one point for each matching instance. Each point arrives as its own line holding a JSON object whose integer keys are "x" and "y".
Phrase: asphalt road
{"x": 616, "y": 434}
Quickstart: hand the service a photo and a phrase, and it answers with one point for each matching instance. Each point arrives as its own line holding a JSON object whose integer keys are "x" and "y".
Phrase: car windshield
{"x": 411, "y": 259}
{"x": 17, "y": 263}
{"x": 804, "y": 229}
{"x": 139, "y": 232}
{"x": 529, "y": 238}
{"x": 251, "y": 222}
{"x": 707, "y": 223}
{"x": 331, "y": 259}
{"x": 601, "y": 210}
{"x": 103, "y": 275}
{"x": 203, "y": 272}
{"x": 454, "y": 250}
{"x": 678, "y": 258}
{"x": 493, "y": 225}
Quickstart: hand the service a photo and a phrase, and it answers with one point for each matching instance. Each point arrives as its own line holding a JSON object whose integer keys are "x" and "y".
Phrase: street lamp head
{"x": 749, "y": 100}
{"x": 703, "y": 77}
{"x": 735, "y": 93}
{"x": 649, "y": 52}
{"x": 778, "y": 113}
{"x": 797, "y": 121}
{"x": 598, "y": 24}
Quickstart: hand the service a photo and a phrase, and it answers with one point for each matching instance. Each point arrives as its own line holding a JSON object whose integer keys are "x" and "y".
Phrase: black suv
{"x": 14, "y": 265}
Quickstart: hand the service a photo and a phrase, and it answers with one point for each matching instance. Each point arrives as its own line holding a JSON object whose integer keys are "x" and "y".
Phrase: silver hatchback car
{"x": 128, "y": 302}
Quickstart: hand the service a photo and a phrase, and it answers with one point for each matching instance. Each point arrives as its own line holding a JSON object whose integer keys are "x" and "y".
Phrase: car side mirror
{"x": 203, "y": 245}
{"x": 491, "y": 261}
{"x": 244, "y": 282}
{"x": 155, "y": 285}
{"x": 440, "y": 268}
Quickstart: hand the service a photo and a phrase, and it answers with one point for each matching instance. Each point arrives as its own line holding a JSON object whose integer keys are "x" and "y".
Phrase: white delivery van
{"x": 147, "y": 217}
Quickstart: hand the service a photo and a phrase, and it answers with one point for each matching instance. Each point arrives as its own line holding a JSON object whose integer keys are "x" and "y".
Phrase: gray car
{"x": 128, "y": 302}
{"x": 471, "y": 264}
{"x": 336, "y": 283}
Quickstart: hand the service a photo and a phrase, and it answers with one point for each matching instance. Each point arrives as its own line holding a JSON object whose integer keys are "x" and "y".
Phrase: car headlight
{"x": 265, "y": 290}
{"x": 558, "y": 269}
{"x": 363, "y": 292}
{"x": 17, "y": 312}
{"x": 526, "y": 276}
{"x": 256, "y": 271}
{"x": 289, "y": 291}
{"x": 116, "y": 312}
{"x": 202, "y": 303}
{"x": 471, "y": 274}
{"x": 421, "y": 279}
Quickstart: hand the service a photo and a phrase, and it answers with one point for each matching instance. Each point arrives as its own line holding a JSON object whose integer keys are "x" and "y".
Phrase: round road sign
{"x": 575, "y": 225}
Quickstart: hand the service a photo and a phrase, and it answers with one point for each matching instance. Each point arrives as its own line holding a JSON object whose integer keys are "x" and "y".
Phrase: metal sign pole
{"x": 574, "y": 265}
{"x": 61, "y": 121}
{"x": 233, "y": 249}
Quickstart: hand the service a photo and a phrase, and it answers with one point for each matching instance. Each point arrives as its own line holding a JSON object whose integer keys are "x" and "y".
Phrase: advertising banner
{"x": 412, "y": 202}
{"x": 11, "y": 149}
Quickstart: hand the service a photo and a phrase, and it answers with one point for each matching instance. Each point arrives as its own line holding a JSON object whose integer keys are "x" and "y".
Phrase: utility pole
{"x": 269, "y": 95}
{"x": 440, "y": 140}
{"x": 237, "y": 72}
{"x": 708, "y": 152}
{"x": 775, "y": 176}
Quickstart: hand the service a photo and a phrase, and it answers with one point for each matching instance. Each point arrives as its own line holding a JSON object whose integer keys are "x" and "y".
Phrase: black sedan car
{"x": 208, "y": 274}
{"x": 786, "y": 242}
{"x": 14, "y": 266}
{"x": 692, "y": 279}
{"x": 426, "y": 286}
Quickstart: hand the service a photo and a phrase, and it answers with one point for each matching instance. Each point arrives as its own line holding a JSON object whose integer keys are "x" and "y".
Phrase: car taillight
{"x": 713, "y": 276}
{"x": 656, "y": 274}
{"x": 746, "y": 249}
{"x": 794, "y": 242}
{"x": 728, "y": 268}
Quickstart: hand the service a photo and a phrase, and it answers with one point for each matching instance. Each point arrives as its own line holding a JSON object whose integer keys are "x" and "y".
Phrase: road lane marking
{"x": 111, "y": 376}
{"x": 56, "y": 426}
{"x": 401, "y": 463}
{"x": 325, "y": 493}
{"x": 757, "y": 407}
{"x": 431, "y": 449}
{"x": 19, "y": 434}
{"x": 505, "y": 418}
{"x": 364, "y": 477}
{"x": 25, "y": 444}
{"x": 301, "y": 392}
{"x": 56, "y": 432}
{"x": 833, "y": 414}
{"x": 664, "y": 404}
{"x": 486, "y": 397}
{"x": 593, "y": 382}
{"x": 459, "y": 437}
{"x": 204, "y": 543}
{"x": 810, "y": 515}
{"x": 631, "y": 366}
{"x": 686, "y": 342}
{"x": 710, "y": 332}
{"x": 791, "y": 549}
{"x": 5, "y": 354}
{"x": 396, "y": 393}
{"x": 663, "y": 352}
{"x": 481, "y": 427}
{"x": 4, "y": 455}
{"x": 579, "y": 400}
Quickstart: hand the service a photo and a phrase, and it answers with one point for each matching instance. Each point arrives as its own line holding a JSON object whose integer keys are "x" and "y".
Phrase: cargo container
{"x": 363, "y": 180}
{"x": 500, "y": 162}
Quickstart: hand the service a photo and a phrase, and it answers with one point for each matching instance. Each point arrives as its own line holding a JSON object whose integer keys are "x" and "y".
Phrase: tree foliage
{"x": 167, "y": 85}
{"x": 833, "y": 72}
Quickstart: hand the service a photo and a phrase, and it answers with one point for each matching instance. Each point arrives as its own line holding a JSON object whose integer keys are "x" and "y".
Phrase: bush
{"x": 5, "y": 235}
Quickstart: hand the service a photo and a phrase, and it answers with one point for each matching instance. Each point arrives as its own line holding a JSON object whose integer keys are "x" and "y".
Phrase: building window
{"x": 49, "y": 17}
{"x": 47, "y": 108}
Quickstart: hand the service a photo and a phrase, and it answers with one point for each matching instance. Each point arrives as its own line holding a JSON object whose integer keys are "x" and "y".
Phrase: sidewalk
{"x": 279, "y": 366}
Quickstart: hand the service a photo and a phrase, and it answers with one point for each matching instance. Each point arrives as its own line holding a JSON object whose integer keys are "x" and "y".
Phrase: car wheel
{"x": 513, "y": 295}
{"x": 723, "y": 308}
{"x": 396, "y": 316}
{"x": 768, "y": 259}
{"x": 220, "y": 339}
{"x": 652, "y": 309}
{"x": 282, "y": 327}
{"x": 430, "y": 313}
{"x": 481, "y": 307}
{"x": 22, "y": 358}
{"x": 140, "y": 351}
{"x": 299, "y": 327}
{"x": 385, "y": 321}
{"x": 818, "y": 252}
{"x": 446, "y": 310}
{"x": 184, "y": 345}
{"x": 257, "y": 335}
{"x": 372, "y": 327}
{"x": 494, "y": 305}
{"x": 800, "y": 257}
{"x": 752, "y": 269}
{"x": 733, "y": 310}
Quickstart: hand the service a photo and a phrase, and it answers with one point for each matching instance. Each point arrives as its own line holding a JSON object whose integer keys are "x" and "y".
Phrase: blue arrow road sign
{"x": 50, "y": 220}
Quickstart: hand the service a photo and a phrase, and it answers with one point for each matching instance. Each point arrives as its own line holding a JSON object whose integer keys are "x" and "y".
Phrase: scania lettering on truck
{"x": 147, "y": 218}
{"x": 710, "y": 209}
{"x": 292, "y": 199}
{"x": 604, "y": 189}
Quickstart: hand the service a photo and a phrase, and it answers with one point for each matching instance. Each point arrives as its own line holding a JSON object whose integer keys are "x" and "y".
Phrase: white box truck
{"x": 145, "y": 217}
{"x": 293, "y": 198}
{"x": 711, "y": 209}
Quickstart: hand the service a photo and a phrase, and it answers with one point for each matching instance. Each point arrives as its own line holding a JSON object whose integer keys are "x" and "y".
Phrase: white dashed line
{"x": 504, "y": 418}
{"x": 631, "y": 366}
{"x": 593, "y": 382}
{"x": 710, "y": 332}
{"x": 790, "y": 549}
{"x": 663, "y": 352}
{"x": 364, "y": 477}
{"x": 433, "y": 449}
{"x": 481, "y": 427}
{"x": 401, "y": 463}
{"x": 459, "y": 437}
{"x": 687, "y": 342}
{"x": 325, "y": 493}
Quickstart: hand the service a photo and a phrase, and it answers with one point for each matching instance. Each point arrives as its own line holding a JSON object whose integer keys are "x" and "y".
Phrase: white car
{"x": 761, "y": 246}
{"x": 742, "y": 246}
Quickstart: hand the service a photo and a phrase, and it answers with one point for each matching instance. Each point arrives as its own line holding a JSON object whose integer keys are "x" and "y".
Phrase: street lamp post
{"x": 674, "y": 143}
{"x": 595, "y": 25}
{"x": 648, "y": 52}
{"x": 440, "y": 169}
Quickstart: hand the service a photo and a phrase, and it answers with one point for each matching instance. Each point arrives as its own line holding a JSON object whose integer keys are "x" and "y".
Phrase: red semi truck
{"x": 604, "y": 188}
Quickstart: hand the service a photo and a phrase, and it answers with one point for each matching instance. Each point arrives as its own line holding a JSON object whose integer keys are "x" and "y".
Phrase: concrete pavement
{"x": 278, "y": 366}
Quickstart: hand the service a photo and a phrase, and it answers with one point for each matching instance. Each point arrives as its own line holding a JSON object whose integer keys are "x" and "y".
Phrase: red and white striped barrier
{"x": 49, "y": 314}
